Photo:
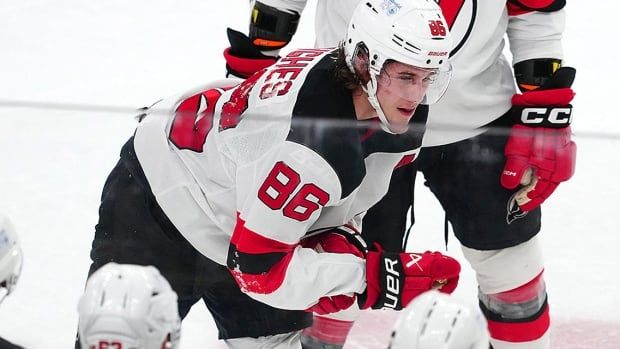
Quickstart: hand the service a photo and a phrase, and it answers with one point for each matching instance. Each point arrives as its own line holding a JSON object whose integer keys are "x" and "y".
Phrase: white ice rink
{"x": 121, "y": 55}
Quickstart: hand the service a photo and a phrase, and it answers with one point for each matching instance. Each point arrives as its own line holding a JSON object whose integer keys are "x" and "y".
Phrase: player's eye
{"x": 407, "y": 78}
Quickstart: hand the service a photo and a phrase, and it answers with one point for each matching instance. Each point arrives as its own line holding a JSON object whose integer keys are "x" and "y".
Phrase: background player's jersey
{"x": 4, "y": 344}
{"x": 482, "y": 82}
{"x": 244, "y": 175}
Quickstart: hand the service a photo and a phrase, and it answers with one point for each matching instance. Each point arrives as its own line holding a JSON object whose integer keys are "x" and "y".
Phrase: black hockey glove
{"x": 243, "y": 58}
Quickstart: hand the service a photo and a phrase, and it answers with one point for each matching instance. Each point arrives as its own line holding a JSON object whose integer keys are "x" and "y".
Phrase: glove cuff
{"x": 369, "y": 297}
{"x": 552, "y": 97}
{"x": 384, "y": 281}
{"x": 245, "y": 67}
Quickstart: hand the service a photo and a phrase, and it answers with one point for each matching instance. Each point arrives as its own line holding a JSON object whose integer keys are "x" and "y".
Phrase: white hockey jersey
{"x": 482, "y": 82}
{"x": 244, "y": 173}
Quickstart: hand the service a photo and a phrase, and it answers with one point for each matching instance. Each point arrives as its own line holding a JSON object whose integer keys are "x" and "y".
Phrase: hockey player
{"x": 437, "y": 321}
{"x": 11, "y": 259}
{"x": 128, "y": 306}
{"x": 490, "y": 184}
{"x": 218, "y": 187}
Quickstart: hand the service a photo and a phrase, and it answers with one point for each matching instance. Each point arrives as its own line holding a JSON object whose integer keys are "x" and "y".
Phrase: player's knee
{"x": 517, "y": 315}
{"x": 498, "y": 271}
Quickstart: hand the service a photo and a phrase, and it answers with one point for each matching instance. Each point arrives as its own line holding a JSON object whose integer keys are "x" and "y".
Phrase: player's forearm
{"x": 286, "y": 5}
{"x": 536, "y": 35}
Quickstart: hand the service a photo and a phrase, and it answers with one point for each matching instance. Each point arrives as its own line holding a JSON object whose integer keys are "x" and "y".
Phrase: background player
{"x": 11, "y": 259}
{"x": 489, "y": 183}
{"x": 128, "y": 306}
{"x": 435, "y": 320}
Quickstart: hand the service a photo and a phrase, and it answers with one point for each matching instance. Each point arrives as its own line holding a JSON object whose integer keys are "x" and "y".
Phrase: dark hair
{"x": 344, "y": 75}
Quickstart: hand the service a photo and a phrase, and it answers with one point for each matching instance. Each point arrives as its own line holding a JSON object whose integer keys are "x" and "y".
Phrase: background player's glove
{"x": 243, "y": 58}
{"x": 338, "y": 240}
{"x": 394, "y": 279}
{"x": 539, "y": 152}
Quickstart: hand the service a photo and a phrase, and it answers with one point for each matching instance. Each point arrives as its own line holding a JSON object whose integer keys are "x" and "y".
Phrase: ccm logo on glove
{"x": 549, "y": 117}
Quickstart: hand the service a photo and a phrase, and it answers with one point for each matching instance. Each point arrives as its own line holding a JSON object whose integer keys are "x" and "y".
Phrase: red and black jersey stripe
{"x": 257, "y": 263}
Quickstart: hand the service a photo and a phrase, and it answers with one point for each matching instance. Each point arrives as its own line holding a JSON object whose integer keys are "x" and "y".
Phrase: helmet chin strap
{"x": 371, "y": 91}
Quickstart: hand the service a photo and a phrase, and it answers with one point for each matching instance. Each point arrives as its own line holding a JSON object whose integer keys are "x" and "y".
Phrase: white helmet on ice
{"x": 436, "y": 320}
{"x": 130, "y": 306}
{"x": 412, "y": 32}
{"x": 11, "y": 257}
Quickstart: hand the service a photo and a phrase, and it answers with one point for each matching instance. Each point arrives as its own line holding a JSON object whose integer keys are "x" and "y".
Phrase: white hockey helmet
{"x": 130, "y": 306}
{"x": 413, "y": 32}
{"x": 435, "y": 320}
{"x": 11, "y": 257}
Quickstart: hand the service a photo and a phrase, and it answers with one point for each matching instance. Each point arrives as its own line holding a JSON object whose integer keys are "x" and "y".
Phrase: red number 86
{"x": 280, "y": 184}
{"x": 437, "y": 28}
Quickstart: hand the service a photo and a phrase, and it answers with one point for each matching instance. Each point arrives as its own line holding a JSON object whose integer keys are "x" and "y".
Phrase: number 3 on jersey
{"x": 281, "y": 183}
{"x": 193, "y": 118}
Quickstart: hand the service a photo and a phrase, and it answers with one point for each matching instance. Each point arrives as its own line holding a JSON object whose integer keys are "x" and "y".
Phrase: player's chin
{"x": 400, "y": 117}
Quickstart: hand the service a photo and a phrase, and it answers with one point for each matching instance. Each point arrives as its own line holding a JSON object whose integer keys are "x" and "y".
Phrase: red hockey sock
{"x": 328, "y": 331}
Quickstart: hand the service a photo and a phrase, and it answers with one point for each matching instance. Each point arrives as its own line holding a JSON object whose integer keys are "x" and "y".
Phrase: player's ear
{"x": 360, "y": 63}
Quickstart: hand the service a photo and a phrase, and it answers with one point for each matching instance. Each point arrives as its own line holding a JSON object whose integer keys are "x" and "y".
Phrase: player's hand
{"x": 394, "y": 279}
{"x": 243, "y": 58}
{"x": 540, "y": 153}
{"x": 344, "y": 239}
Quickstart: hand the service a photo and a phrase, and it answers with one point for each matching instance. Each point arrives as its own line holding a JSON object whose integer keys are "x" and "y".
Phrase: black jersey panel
{"x": 378, "y": 141}
{"x": 324, "y": 121}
